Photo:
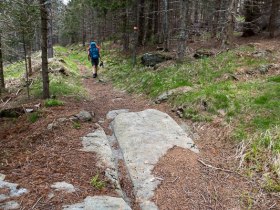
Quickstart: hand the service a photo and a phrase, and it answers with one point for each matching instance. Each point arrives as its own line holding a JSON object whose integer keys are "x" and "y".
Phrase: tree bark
{"x": 29, "y": 60}
{"x": 50, "y": 32}
{"x": 216, "y": 21}
{"x": 156, "y": 21}
{"x": 141, "y": 23}
{"x": 2, "y": 82}
{"x": 275, "y": 6}
{"x": 183, "y": 30}
{"x": 165, "y": 25}
{"x": 149, "y": 33}
{"x": 26, "y": 65}
{"x": 252, "y": 12}
{"x": 125, "y": 30}
{"x": 44, "y": 47}
{"x": 229, "y": 28}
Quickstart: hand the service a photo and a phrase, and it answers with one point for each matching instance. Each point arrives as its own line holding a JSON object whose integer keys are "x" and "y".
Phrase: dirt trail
{"x": 36, "y": 158}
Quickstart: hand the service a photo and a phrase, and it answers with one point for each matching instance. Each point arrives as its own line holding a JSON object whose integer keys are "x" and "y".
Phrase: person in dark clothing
{"x": 94, "y": 56}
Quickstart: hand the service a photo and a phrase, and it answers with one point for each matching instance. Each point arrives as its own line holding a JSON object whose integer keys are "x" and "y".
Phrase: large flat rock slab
{"x": 100, "y": 203}
{"x": 144, "y": 137}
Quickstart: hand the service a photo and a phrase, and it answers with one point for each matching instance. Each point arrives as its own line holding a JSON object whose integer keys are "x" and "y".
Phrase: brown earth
{"x": 35, "y": 157}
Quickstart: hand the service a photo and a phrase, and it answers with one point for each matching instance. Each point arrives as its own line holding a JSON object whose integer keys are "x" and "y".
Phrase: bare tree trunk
{"x": 26, "y": 65}
{"x": 50, "y": 32}
{"x": 44, "y": 46}
{"x": 183, "y": 30}
{"x": 273, "y": 17}
{"x": 125, "y": 30}
{"x": 165, "y": 25}
{"x": 156, "y": 21}
{"x": 83, "y": 26}
{"x": 229, "y": 28}
{"x": 141, "y": 24}
{"x": 216, "y": 18}
{"x": 2, "y": 83}
{"x": 150, "y": 22}
{"x": 29, "y": 51}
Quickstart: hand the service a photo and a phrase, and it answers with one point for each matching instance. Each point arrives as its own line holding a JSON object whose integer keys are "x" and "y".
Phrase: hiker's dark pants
{"x": 95, "y": 62}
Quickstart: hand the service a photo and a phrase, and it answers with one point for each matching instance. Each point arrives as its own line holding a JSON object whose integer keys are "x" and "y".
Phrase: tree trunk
{"x": 2, "y": 83}
{"x": 44, "y": 46}
{"x": 252, "y": 12}
{"x": 29, "y": 51}
{"x": 229, "y": 28}
{"x": 83, "y": 26}
{"x": 156, "y": 21}
{"x": 216, "y": 19}
{"x": 50, "y": 32}
{"x": 165, "y": 25}
{"x": 26, "y": 66}
{"x": 125, "y": 30}
{"x": 275, "y": 6}
{"x": 141, "y": 23}
{"x": 183, "y": 30}
{"x": 149, "y": 33}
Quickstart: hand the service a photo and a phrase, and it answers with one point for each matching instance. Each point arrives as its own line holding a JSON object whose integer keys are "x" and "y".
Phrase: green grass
{"x": 33, "y": 117}
{"x": 14, "y": 71}
{"x": 97, "y": 183}
{"x": 53, "y": 102}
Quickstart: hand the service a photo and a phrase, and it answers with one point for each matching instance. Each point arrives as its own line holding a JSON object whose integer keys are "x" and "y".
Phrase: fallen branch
{"x": 173, "y": 180}
{"x": 216, "y": 168}
{"x": 6, "y": 102}
{"x": 31, "y": 83}
{"x": 18, "y": 91}
{"x": 37, "y": 202}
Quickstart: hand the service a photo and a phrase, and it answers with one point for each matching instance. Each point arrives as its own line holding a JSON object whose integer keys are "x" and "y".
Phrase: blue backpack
{"x": 93, "y": 51}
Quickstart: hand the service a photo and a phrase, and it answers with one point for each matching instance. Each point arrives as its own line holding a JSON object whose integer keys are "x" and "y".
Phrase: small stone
{"x": 14, "y": 190}
{"x": 50, "y": 195}
{"x": 52, "y": 126}
{"x": 2, "y": 177}
{"x": 222, "y": 112}
{"x": 63, "y": 186}
{"x": 29, "y": 110}
{"x": 61, "y": 120}
{"x": 9, "y": 205}
{"x": 84, "y": 116}
{"x": 105, "y": 203}
{"x": 165, "y": 95}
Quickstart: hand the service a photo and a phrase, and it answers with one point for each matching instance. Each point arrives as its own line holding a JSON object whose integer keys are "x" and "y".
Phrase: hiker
{"x": 94, "y": 55}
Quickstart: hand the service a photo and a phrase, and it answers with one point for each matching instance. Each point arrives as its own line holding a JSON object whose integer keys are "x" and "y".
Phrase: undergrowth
{"x": 59, "y": 84}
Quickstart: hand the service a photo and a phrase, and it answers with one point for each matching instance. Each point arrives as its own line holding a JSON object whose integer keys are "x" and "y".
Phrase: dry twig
{"x": 37, "y": 202}
{"x": 216, "y": 168}
{"x": 6, "y": 102}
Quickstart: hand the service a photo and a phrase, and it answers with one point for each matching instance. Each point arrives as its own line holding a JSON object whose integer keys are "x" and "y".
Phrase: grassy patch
{"x": 14, "y": 71}
{"x": 76, "y": 125}
{"x": 97, "y": 183}
{"x": 53, "y": 102}
{"x": 33, "y": 117}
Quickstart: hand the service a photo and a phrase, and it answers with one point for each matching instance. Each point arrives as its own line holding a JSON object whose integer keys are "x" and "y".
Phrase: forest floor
{"x": 35, "y": 157}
